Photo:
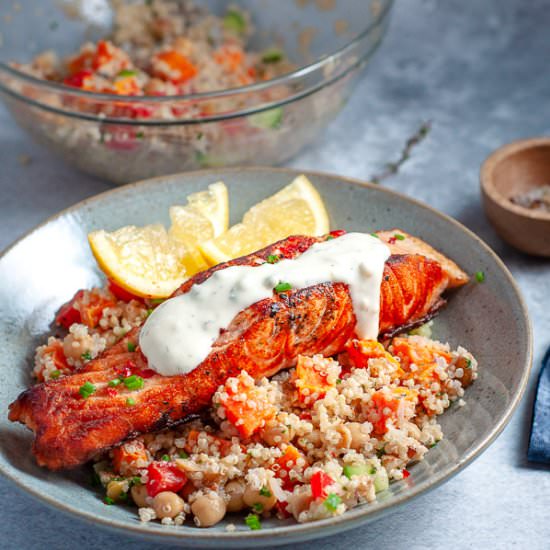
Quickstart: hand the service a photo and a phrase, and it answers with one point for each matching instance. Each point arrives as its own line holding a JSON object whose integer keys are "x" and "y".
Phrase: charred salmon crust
{"x": 263, "y": 339}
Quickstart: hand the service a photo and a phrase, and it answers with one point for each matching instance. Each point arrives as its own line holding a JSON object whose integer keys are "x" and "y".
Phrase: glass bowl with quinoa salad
{"x": 132, "y": 89}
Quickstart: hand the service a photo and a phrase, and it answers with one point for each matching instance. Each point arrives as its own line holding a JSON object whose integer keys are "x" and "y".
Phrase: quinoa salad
{"x": 309, "y": 443}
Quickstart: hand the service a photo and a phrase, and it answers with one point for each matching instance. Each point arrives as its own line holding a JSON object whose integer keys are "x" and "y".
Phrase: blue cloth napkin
{"x": 539, "y": 444}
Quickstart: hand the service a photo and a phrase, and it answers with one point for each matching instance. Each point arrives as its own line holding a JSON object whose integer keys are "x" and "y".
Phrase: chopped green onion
{"x": 131, "y": 346}
{"x": 133, "y": 382}
{"x": 166, "y": 458}
{"x": 149, "y": 311}
{"x": 136, "y": 480}
{"x": 272, "y": 259}
{"x": 258, "y": 507}
{"x": 108, "y": 501}
{"x": 54, "y": 375}
{"x": 332, "y": 502}
{"x": 86, "y": 390}
{"x": 183, "y": 454}
{"x": 157, "y": 301}
{"x": 123, "y": 497}
{"x": 273, "y": 55}
{"x": 399, "y": 237}
{"x": 126, "y": 72}
{"x": 87, "y": 356}
{"x": 329, "y": 238}
{"x": 140, "y": 135}
{"x": 468, "y": 363}
{"x": 265, "y": 492}
{"x": 113, "y": 383}
{"x": 253, "y": 522}
{"x": 433, "y": 445}
{"x": 374, "y": 235}
{"x": 282, "y": 287}
{"x": 130, "y": 401}
{"x": 234, "y": 21}
{"x": 480, "y": 276}
{"x": 338, "y": 380}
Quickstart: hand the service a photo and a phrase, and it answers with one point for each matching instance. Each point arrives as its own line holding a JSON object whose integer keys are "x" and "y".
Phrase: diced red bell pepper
{"x": 68, "y": 314}
{"x": 164, "y": 476}
{"x": 78, "y": 79}
{"x": 311, "y": 380}
{"x": 337, "y": 233}
{"x": 319, "y": 482}
{"x": 406, "y": 473}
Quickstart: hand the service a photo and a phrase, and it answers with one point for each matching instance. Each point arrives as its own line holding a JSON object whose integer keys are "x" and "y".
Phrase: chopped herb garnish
{"x": 253, "y": 522}
{"x": 108, "y": 501}
{"x": 338, "y": 380}
{"x": 329, "y": 238}
{"x": 131, "y": 346}
{"x": 332, "y": 502}
{"x": 372, "y": 470}
{"x": 87, "y": 356}
{"x": 133, "y": 382}
{"x": 480, "y": 276}
{"x": 126, "y": 73}
{"x": 123, "y": 497}
{"x": 258, "y": 507}
{"x": 265, "y": 492}
{"x": 149, "y": 311}
{"x": 381, "y": 452}
{"x": 166, "y": 458}
{"x": 272, "y": 259}
{"x": 399, "y": 237}
{"x": 183, "y": 454}
{"x": 273, "y": 55}
{"x": 130, "y": 401}
{"x": 234, "y": 21}
{"x": 136, "y": 480}
{"x": 54, "y": 375}
{"x": 157, "y": 301}
{"x": 140, "y": 135}
{"x": 282, "y": 287}
{"x": 115, "y": 382}
{"x": 468, "y": 363}
{"x": 374, "y": 235}
{"x": 433, "y": 445}
{"x": 86, "y": 390}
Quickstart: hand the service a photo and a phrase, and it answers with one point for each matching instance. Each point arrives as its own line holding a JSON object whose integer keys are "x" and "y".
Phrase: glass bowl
{"x": 125, "y": 138}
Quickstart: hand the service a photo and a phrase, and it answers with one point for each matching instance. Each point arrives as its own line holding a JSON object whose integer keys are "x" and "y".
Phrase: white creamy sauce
{"x": 179, "y": 334}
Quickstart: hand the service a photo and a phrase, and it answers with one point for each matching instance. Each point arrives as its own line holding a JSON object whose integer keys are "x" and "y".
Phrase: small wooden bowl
{"x": 512, "y": 170}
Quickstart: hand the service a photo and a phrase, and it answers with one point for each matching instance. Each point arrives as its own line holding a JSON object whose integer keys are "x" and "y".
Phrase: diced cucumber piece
{"x": 271, "y": 118}
{"x": 234, "y": 21}
{"x": 351, "y": 470}
{"x": 381, "y": 481}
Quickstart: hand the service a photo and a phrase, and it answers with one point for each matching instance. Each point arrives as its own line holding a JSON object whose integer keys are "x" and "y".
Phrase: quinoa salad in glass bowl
{"x": 134, "y": 89}
{"x": 309, "y": 443}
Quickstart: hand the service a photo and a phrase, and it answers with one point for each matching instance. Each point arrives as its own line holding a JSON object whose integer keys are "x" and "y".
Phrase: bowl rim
{"x": 487, "y": 179}
{"x": 309, "y": 68}
{"x": 301, "y": 531}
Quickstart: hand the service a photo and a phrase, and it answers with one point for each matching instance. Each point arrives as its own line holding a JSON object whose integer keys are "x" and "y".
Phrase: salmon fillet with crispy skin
{"x": 263, "y": 339}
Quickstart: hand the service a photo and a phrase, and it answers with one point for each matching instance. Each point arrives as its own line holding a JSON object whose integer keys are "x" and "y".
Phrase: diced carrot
{"x": 57, "y": 355}
{"x": 91, "y": 312}
{"x": 361, "y": 351}
{"x": 311, "y": 380}
{"x": 224, "y": 445}
{"x": 180, "y": 68}
{"x": 103, "y": 55}
{"x": 129, "y": 456}
{"x": 126, "y": 86}
{"x": 286, "y": 462}
{"x": 232, "y": 57}
{"x": 391, "y": 405}
{"x": 244, "y": 406}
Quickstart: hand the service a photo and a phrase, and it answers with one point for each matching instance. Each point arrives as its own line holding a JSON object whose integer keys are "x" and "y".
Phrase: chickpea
{"x": 345, "y": 436}
{"x": 359, "y": 435}
{"x": 276, "y": 433}
{"x": 167, "y": 504}
{"x": 208, "y": 510}
{"x": 259, "y": 498}
{"x": 300, "y": 503}
{"x": 139, "y": 495}
{"x": 235, "y": 490}
{"x": 73, "y": 347}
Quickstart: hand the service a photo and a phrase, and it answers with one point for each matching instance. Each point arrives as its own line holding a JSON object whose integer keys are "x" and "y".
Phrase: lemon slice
{"x": 295, "y": 210}
{"x": 205, "y": 216}
{"x": 144, "y": 260}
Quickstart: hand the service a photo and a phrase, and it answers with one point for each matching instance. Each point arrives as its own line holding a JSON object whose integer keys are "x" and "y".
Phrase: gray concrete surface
{"x": 479, "y": 72}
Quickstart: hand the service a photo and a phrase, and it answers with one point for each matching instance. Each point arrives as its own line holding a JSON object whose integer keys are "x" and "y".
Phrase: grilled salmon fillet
{"x": 263, "y": 339}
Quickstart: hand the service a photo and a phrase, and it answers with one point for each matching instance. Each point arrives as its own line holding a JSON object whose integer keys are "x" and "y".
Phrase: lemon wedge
{"x": 152, "y": 262}
{"x": 297, "y": 209}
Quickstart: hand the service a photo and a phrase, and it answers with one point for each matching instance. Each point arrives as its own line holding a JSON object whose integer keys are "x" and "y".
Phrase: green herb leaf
{"x": 87, "y": 356}
{"x": 253, "y": 522}
{"x": 131, "y": 346}
{"x": 130, "y": 401}
{"x": 113, "y": 383}
{"x": 374, "y": 235}
{"x": 54, "y": 375}
{"x": 140, "y": 135}
{"x": 282, "y": 287}
{"x": 234, "y": 21}
{"x": 265, "y": 492}
{"x": 273, "y": 55}
{"x": 166, "y": 458}
{"x": 338, "y": 380}
{"x": 258, "y": 507}
{"x": 136, "y": 480}
{"x": 183, "y": 454}
{"x": 332, "y": 502}
{"x": 157, "y": 301}
{"x": 86, "y": 390}
{"x": 468, "y": 363}
{"x": 108, "y": 500}
{"x": 399, "y": 237}
{"x": 133, "y": 382}
{"x": 480, "y": 276}
{"x": 272, "y": 259}
{"x": 126, "y": 73}
{"x": 149, "y": 311}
